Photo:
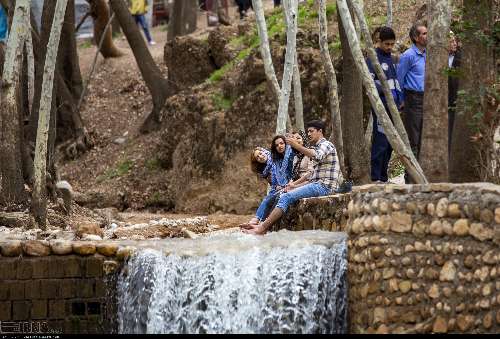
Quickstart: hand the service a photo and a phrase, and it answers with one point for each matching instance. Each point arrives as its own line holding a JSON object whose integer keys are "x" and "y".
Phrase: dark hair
{"x": 298, "y": 155}
{"x": 414, "y": 33}
{"x": 318, "y": 124}
{"x": 386, "y": 33}
{"x": 274, "y": 152}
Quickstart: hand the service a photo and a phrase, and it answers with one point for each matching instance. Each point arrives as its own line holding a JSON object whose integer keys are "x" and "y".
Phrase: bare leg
{"x": 264, "y": 226}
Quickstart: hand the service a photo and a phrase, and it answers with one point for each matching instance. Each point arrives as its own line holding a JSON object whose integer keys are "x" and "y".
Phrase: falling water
{"x": 285, "y": 282}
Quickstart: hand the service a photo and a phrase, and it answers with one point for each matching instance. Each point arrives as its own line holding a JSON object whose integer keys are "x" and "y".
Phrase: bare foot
{"x": 247, "y": 225}
{"x": 256, "y": 229}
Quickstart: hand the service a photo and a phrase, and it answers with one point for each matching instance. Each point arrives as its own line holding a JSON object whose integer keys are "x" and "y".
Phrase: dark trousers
{"x": 141, "y": 20}
{"x": 277, "y": 3}
{"x": 243, "y": 6}
{"x": 380, "y": 155}
{"x": 413, "y": 119}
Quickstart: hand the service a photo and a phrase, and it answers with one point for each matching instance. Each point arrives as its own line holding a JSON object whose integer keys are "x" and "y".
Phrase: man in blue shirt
{"x": 411, "y": 77}
{"x": 3, "y": 24}
{"x": 381, "y": 149}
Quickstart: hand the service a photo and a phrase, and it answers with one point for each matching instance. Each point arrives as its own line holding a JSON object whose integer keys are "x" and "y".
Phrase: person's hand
{"x": 290, "y": 187}
{"x": 291, "y": 141}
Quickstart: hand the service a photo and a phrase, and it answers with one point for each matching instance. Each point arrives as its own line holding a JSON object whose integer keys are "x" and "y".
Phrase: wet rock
{"x": 109, "y": 266}
{"x": 61, "y": 247}
{"x": 123, "y": 253}
{"x": 36, "y": 248}
{"x": 84, "y": 248}
{"x": 107, "y": 249}
{"x": 11, "y": 248}
{"x": 461, "y": 227}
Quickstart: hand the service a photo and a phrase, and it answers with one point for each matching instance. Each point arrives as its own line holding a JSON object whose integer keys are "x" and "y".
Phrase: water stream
{"x": 285, "y": 282}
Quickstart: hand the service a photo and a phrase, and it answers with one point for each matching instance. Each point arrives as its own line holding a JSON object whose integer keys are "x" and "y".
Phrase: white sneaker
{"x": 152, "y": 43}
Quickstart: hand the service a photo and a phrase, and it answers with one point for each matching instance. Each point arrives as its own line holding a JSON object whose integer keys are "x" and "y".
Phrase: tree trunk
{"x": 39, "y": 201}
{"x": 297, "y": 96}
{"x": 157, "y": 85}
{"x": 11, "y": 179}
{"x": 434, "y": 152}
{"x": 356, "y": 152}
{"x": 290, "y": 7}
{"x": 265, "y": 50}
{"x": 336, "y": 135}
{"x": 389, "y": 13}
{"x": 392, "y": 135}
{"x": 372, "y": 55}
{"x": 100, "y": 13}
{"x": 478, "y": 72}
{"x": 182, "y": 18}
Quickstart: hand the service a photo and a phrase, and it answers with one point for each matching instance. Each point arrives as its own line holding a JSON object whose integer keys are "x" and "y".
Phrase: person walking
{"x": 138, "y": 9}
{"x": 411, "y": 77}
{"x": 381, "y": 148}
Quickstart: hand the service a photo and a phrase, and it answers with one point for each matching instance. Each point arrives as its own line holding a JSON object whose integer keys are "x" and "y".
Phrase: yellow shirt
{"x": 138, "y": 6}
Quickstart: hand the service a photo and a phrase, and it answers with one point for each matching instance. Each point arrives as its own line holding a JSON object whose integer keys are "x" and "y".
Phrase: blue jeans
{"x": 381, "y": 154}
{"x": 266, "y": 205}
{"x": 141, "y": 20}
{"x": 313, "y": 189}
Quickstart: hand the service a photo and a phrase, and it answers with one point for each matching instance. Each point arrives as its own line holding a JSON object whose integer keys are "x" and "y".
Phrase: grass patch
{"x": 217, "y": 75}
{"x": 86, "y": 44}
{"x": 122, "y": 168}
{"x": 334, "y": 46}
{"x": 222, "y": 103}
{"x": 153, "y": 164}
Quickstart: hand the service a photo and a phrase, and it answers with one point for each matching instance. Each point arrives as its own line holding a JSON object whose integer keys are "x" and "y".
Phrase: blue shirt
{"x": 3, "y": 23}
{"x": 411, "y": 69}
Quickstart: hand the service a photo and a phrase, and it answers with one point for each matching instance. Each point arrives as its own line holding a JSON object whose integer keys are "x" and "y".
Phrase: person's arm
{"x": 402, "y": 71}
{"x": 296, "y": 146}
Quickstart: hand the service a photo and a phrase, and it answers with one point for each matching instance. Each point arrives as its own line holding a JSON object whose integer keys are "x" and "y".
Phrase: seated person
{"x": 279, "y": 170}
{"x": 325, "y": 179}
{"x": 302, "y": 165}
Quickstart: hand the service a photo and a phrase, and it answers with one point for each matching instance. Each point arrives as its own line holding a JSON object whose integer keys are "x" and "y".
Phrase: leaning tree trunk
{"x": 290, "y": 7}
{"x": 264, "y": 47}
{"x": 372, "y": 55}
{"x": 389, "y": 13}
{"x": 100, "y": 13}
{"x": 11, "y": 179}
{"x": 157, "y": 85}
{"x": 39, "y": 201}
{"x": 477, "y": 73}
{"x": 336, "y": 136}
{"x": 356, "y": 152}
{"x": 297, "y": 96}
{"x": 434, "y": 152}
{"x": 394, "y": 139}
{"x": 182, "y": 18}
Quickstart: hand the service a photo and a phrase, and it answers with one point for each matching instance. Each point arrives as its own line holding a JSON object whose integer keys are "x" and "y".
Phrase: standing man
{"x": 324, "y": 180}
{"x": 138, "y": 9}
{"x": 381, "y": 149}
{"x": 411, "y": 77}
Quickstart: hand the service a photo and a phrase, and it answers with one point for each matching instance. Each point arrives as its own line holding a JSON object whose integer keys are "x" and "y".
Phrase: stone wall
{"x": 424, "y": 258}
{"x": 324, "y": 213}
{"x": 55, "y": 293}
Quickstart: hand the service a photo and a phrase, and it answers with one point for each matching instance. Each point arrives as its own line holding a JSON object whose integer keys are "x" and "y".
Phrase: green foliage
{"x": 334, "y": 46}
{"x": 153, "y": 164}
{"x": 222, "y": 103}
{"x": 86, "y": 44}
{"x": 396, "y": 167}
{"x": 122, "y": 168}
{"x": 217, "y": 75}
{"x": 331, "y": 9}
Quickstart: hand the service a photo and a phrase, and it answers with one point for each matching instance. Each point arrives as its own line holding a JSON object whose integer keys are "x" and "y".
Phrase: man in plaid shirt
{"x": 324, "y": 180}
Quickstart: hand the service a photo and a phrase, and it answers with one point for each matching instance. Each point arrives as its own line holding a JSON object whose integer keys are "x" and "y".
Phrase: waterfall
{"x": 285, "y": 282}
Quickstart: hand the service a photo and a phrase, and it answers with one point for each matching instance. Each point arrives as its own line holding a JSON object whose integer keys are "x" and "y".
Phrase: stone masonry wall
{"x": 325, "y": 213}
{"x": 424, "y": 258}
{"x": 42, "y": 293}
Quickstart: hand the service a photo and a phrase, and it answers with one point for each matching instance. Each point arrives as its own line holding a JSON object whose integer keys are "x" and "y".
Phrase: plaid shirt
{"x": 326, "y": 165}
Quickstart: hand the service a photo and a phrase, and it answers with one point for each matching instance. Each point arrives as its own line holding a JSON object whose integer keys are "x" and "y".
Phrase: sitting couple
{"x": 322, "y": 177}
